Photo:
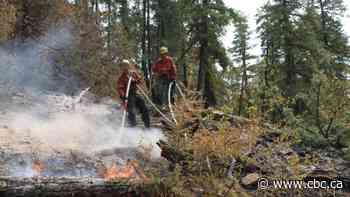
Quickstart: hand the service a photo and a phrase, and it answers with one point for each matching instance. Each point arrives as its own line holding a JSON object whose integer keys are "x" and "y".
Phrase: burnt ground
{"x": 63, "y": 172}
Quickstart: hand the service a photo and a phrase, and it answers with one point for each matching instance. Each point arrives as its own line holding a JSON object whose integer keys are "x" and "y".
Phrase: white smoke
{"x": 30, "y": 64}
{"x": 34, "y": 102}
{"x": 83, "y": 126}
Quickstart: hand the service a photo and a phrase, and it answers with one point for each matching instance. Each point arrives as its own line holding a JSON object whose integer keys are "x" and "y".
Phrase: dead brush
{"x": 204, "y": 142}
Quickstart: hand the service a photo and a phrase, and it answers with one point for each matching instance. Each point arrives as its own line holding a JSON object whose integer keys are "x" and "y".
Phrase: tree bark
{"x": 149, "y": 63}
{"x": 204, "y": 75}
{"x": 323, "y": 22}
{"x": 161, "y": 30}
{"x": 244, "y": 82}
{"x": 264, "y": 105}
{"x": 290, "y": 70}
{"x": 109, "y": 28}
{"x": 124, "y": 14}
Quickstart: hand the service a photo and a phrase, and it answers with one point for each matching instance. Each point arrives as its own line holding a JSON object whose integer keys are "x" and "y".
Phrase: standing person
{"x": 135, "y": 101}
{"x": 164, "y": 72}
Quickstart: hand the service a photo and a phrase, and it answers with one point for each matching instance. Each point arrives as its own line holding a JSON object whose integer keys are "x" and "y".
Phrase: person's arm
{"x": 172, "y": 71}
{"x": 121, "y": 86}
{"x": 136, "y": 77}
{"x": 155, "y": 67}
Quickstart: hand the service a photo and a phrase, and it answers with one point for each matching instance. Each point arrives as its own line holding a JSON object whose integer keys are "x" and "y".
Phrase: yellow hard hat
{"x": 163, "y": 50}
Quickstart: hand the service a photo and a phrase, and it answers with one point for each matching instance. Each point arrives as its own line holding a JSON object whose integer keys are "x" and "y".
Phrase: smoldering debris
{"x": 45, "y": 117}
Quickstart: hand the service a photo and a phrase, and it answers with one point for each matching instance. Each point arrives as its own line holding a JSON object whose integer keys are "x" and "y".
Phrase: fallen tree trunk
{"x": 173, "y": 155}
{"x": 70, "y": 186}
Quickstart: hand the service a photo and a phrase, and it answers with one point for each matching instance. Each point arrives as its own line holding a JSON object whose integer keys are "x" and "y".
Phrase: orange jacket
{"x": 166, "y": 67}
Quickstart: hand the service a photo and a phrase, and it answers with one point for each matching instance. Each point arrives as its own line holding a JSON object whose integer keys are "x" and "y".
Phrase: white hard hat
{"x": 125, "y": 61}
{"x": 163, "y": 50}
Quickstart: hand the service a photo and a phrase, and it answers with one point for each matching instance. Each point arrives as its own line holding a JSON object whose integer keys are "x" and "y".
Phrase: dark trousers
{"x": 160, "y": 90}
{"x": 135, "y": 102}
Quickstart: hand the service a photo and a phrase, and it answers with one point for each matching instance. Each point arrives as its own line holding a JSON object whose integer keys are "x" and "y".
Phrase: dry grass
{"x": 212, "y": 139}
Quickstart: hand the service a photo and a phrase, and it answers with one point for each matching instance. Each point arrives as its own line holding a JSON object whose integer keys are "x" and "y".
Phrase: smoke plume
{"x": 59, "y": 112}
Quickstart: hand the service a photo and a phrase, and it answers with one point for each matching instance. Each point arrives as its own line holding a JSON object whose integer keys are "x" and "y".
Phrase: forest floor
{"x": 233, "y": 156}
{"x": 209, "y": 153}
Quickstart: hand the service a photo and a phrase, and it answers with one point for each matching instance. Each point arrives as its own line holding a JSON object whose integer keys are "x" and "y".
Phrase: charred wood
{"x": 69, "y": 186}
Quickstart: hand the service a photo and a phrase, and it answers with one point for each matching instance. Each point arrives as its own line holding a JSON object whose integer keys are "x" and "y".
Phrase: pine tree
{"x": 277, "y": 27}
{"x": 241, "y": 51}
{"x": 307, "y": 46}
{"x": 205, "y": 21}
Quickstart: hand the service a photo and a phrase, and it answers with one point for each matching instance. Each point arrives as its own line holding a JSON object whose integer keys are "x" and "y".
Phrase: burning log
{"x": 38, "y": 167}
{"x": 61, "y": 176}
{"x": 25, "y": 174}
{"x": 130, "y": 171}
{"x": 70, "y": 186}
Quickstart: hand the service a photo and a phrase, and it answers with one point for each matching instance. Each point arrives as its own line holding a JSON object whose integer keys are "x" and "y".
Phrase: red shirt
{"x": 123, "y": 80}
{"x": 166, "y": 67}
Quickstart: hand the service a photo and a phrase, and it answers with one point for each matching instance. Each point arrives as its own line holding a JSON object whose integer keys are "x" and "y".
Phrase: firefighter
{"x": 134, "y": 100}
{"x": 164, "y": 72}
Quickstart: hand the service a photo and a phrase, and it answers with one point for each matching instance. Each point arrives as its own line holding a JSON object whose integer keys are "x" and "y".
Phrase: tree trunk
{"x": 264, "y": 104}
{"x": 161, "y": 30}
{"x": 109, "y": 28}
{"x": 149, "y": 63}
{"x": 146, "y": 42}
{"x": 209, "y": 93}
{"x": 204, "y": 75}
{"x": 185, "y": 81}
{"x": 124, "y": 14}
{"x": 96, "y": 10}
{"x": 290, "y": 79}
{"x": 244, "y": 82}
{"x": 203, "y": 63}
{"x": 323, "y": 22}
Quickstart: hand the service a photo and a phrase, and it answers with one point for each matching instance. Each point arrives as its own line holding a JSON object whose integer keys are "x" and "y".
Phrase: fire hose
{"x": 169, "y": 98}
{"x": 169, "y": 101}
{"x": 153, "y": 105}
{"x": 126, "y": 101}
{"x": 150, "y": 101}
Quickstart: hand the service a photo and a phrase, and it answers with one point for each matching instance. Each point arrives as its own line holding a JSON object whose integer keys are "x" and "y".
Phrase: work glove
{"x": 123, "y": 104}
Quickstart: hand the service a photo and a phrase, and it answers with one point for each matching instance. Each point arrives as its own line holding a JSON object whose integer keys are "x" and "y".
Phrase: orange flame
{"x": 38, "y": 167}
{"x": 124, "y": 172}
